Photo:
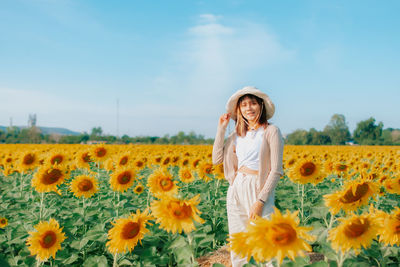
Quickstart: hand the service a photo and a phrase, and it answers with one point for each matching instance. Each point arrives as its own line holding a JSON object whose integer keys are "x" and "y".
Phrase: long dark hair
{"x": 242, "y": 125}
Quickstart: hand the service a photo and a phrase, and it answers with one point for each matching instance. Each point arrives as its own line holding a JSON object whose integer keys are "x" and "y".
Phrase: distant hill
{"x": 48, "y": 130}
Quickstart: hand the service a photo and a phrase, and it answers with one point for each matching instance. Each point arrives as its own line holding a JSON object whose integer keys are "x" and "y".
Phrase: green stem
{"x": 302, "y": 202}
{"x": 41, "y": 206}
{"x": 190, "y": 239}
{"x": 84, "y": 215}
{"x": 115, "y": 264}
{"x": 22, "y": 182}
{"x": 118, "y": 195}
{"x": 341, "y": 258}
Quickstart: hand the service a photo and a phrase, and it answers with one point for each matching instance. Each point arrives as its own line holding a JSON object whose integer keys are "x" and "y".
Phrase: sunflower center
{"x": 130, "y": 230}
{"x": 123, "y": 160}
{"x": 356, "y": 228}
{"x": 124, "y": 177}
{"x": 8, "y": 160}
{"x": 166, "y": 161}
{"x": 208, "y": 169}
{"x": 166, "y": 184}
{"x": 284, "y": 234}
{"x": 196, "y": 162}
{"x": 349, "y": 197}
{"x": 51, "y": 176}
{"x": 85, "y": 185}
{"x": 101, "y": 152}
{"x": 56, "y": 159}
{"x": 185, "y": 162}
{"x": 180, "y": 211}
{"x": 139, "y": 164}
{"x": 139, "y": 189}
{"x": 28, "y": 159}
{"x": 187, "y": 175}
{"x": 291, "y": 162}
{"x": 342, "y": 167}
{"x": 3, "y": 221}
{"x": 48, "y": 239}
{"x": 307, "y": 169}
{"x": 397, "y": 227}
{"x": 175, "y": 159}
{"x": 85, "y": 157}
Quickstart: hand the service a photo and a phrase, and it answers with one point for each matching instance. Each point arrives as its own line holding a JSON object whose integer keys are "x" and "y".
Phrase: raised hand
{"x": 224, "y": 120}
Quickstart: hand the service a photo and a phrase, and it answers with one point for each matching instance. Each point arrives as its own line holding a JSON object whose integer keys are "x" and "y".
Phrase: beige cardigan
{"x": 270, "y": 159}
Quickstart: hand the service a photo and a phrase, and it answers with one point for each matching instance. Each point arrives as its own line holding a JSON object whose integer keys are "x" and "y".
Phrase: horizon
{"x": 174, "y": 65}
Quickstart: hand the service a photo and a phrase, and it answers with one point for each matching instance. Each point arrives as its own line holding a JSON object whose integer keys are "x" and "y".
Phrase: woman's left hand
{"x": 256, "y": 210}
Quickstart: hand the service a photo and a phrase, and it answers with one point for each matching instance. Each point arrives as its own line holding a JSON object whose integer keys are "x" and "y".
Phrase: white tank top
{"x": 248, "y": 149}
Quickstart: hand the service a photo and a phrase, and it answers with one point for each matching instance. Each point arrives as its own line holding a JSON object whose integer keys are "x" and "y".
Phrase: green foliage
{"x": 337, "y": 130}
{"x": 368, "y": 133}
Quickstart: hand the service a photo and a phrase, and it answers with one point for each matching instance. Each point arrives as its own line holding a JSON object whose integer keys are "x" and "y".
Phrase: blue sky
{"x": 172, "y": 65}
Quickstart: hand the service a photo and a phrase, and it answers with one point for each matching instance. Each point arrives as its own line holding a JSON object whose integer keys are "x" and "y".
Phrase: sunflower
{"x": 195, "y": 162}
{"x": 306, "y": 171}
{"x": 353, "y": 195}
{"x": 127, "y": 232}
{"x": 123, "y": 160}
{"x": 84, "y": 186}
{"x": 3, "y": 222}
{"x": 28, "y": 161}
{"x": 166, "y": 161}
{"x": 46, "y": 240}
{"x": 205, "y": 169}
{"x": 186, "y": 175}
{"x": 100, "y": 153}
{"x": 48, "y": 177}
{"x": 161, "y": 183}
{"x": 139, "y": 189}
{"x": 83, "y": 159}
{"x": 278, "y": 237}
{"x": 185, "y": 162}
{"x": 175, "y": 215}
{"x": 341, "y": 169}
{"x": 392, "y": 185}
{"x": 219, "y": 171}
{"x": 389, "y": 232}
{"x": 122, "y": 179}
{"x": 290, "y": 162}
{"x": 354, "y": 232}
{"x": 139, "y": 163}
{"x": 57, "y": 158}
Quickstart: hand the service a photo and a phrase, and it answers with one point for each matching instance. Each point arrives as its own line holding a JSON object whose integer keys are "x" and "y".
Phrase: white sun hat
{"x": 233, "y": 100}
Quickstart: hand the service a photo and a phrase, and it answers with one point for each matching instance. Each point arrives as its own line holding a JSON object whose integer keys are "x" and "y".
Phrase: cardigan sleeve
{"x": 275, "y": 143}
{"x": 218, "y": 147}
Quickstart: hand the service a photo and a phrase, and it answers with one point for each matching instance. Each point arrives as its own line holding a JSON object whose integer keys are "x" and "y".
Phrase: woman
{"x": 252, "y": 158}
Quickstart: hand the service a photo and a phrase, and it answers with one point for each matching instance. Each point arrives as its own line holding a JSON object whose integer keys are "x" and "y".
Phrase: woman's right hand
{"x": 224, "y": 120}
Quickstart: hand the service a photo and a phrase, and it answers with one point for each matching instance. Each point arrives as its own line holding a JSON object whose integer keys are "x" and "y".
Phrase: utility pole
{"x": 117, "y": 118}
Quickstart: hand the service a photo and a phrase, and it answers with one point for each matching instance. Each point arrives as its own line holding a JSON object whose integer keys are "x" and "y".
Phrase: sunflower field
{"x": 165, "y": 205}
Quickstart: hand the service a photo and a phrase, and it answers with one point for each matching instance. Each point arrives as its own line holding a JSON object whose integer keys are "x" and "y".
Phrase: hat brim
{"x": 232, "y": 101}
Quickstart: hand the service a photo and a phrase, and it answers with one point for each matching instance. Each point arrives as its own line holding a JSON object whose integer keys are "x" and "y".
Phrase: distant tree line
{"x": 33, "y": 135}
{"x": 337, "y": 132}
{"x": 367, "y": 132}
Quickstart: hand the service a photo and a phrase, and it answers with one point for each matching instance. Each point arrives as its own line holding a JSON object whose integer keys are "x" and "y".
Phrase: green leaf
{"x": 125, "y": 262}
{"x": 71, "y": 259}
{"x": 96, "y": 261}
{"x": 179, "y": 242}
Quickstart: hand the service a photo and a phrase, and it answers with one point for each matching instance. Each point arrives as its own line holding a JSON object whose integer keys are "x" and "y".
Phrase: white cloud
{"x": 208, "y": 18}
{"x": 210, "y": 63}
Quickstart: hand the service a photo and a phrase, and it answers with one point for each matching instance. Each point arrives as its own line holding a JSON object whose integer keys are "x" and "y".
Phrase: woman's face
{"x": 250, "y": 109}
